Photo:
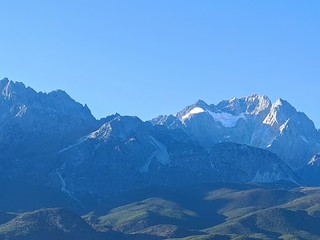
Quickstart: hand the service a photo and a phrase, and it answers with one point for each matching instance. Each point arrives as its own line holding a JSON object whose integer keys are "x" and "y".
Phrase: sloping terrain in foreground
{"x": 213, "y": 211}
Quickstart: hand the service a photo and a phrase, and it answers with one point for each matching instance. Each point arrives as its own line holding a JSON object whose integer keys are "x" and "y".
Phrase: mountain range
{"x": 51, "y": 143}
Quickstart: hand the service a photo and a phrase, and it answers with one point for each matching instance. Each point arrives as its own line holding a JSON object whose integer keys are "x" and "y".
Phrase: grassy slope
{"x": 219, "y": 211}
{"x": 48, "y": 224}
{"x": 216, "y": 212}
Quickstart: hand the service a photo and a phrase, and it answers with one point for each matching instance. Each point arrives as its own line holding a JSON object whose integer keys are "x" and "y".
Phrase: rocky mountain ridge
{"x": 52, "y": 139}
{"x": 253, "y": 121}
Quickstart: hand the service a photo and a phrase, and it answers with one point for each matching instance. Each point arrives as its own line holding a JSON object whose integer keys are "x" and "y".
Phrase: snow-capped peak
{"x": 279, "y": 113}
{"x": 253, "y": 105}
{"x": 256, "y": 97}
{"x": 284, "y": 104}
{"x": 278, "y": 102}
{"x": 257, "y": 103}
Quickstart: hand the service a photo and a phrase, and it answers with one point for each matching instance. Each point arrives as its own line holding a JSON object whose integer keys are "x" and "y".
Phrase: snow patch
{"x": 226, "y": 119}
{"x": 6, "y": 92}
{"x": 271, "y": 119}
{"x": 193, "y": 111}
{"x": 315, "y": 161}
{"x": 284, "y": 126}
{"x": 22, "y": 111}
{"x": 304, "y": 139}
{"x": 278, "y": 103}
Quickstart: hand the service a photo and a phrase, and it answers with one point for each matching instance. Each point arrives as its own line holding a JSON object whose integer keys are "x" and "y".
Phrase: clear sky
{"x": 152, "y": 57}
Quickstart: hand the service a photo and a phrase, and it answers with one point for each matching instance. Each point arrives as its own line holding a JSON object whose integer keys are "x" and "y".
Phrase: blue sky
{"x": 148, "y": 58}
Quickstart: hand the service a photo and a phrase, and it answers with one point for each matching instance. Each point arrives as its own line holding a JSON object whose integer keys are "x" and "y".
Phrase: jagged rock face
{"x": 241, "y": 163}
{"x": 33, "y": 126}
{"x": 26, "y": 114}
{"x": 126, "y": 153}
{"x": 295, "y": 138}
{"x": 253, "y": 121}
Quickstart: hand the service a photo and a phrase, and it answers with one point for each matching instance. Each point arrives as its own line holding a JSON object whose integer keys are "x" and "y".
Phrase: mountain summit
{"x": 253, "y": 121}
